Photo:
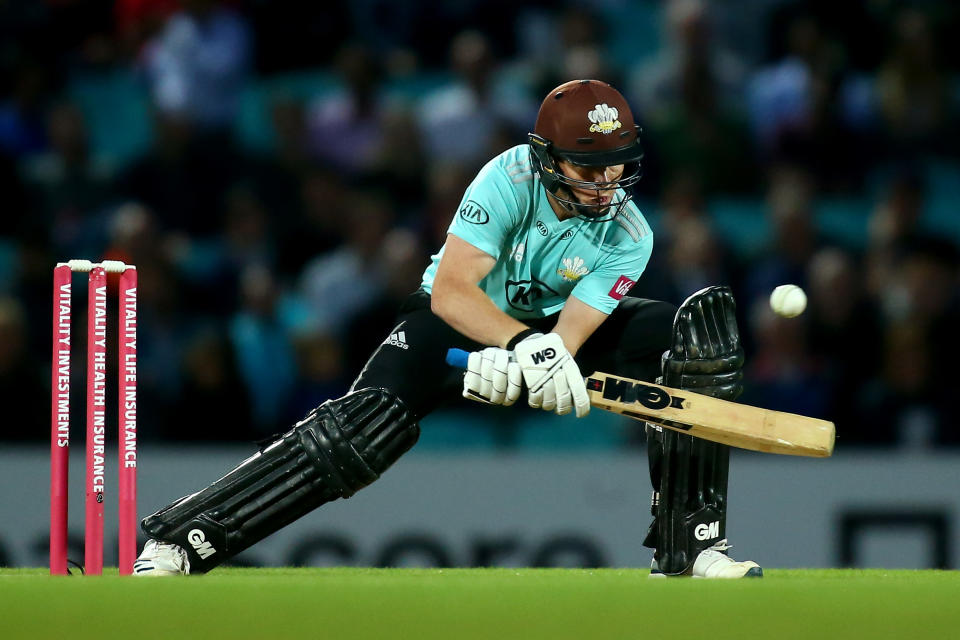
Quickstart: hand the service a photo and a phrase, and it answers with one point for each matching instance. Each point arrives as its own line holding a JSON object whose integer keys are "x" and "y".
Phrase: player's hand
{"x": 551, "y": 374}
{"x": 493, "y": 376}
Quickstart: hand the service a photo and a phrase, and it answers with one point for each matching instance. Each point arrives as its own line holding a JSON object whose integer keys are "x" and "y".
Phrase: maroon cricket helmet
{"x": 589, "y": 123}
{"x": 586, "y": 123}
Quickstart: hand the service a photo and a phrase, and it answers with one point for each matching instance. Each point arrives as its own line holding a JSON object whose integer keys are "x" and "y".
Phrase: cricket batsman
{"x": 533, "y": 281}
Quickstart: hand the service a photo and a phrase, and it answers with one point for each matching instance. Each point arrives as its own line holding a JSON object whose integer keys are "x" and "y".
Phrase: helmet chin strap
{"x": 579, "y": 209}
{"x": 550, "y": 175}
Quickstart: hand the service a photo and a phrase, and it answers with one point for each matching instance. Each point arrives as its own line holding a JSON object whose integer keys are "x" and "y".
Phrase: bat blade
{"x": 730, "y": 423}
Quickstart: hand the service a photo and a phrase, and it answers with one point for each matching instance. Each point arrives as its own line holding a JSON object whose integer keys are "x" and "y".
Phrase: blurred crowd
{"x": 270, "y": 271}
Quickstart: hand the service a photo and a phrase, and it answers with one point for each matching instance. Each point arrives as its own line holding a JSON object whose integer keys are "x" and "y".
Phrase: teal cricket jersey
{"x": 540, "y": 260}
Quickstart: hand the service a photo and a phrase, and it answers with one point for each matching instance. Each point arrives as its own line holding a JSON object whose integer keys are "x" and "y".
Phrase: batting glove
{"x": 492, "y": 376}
{"x": 551, "y": 375}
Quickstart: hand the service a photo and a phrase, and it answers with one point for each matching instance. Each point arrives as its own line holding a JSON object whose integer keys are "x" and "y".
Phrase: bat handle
{"x": 457, "y": 358}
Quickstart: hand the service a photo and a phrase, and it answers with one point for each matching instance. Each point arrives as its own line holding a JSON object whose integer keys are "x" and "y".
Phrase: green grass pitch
{"x": 480, "y": 603}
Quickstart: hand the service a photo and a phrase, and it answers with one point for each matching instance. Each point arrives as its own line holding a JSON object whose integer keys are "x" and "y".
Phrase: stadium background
{"x": 280, "y": 171}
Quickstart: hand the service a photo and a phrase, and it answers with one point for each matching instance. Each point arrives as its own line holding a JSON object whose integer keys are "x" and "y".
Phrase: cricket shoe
{"x": 715, "y": 563}
{"x": 161, "y": 559}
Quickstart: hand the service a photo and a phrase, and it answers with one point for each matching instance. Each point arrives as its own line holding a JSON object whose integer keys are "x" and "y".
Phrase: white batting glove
{"x": 492, "y": 376}
{"x": 552, "y": 376}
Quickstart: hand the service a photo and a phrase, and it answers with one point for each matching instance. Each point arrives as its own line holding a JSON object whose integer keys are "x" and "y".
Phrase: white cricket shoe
{"x": 161, "y": 559}
{"x": 715, "y": 563}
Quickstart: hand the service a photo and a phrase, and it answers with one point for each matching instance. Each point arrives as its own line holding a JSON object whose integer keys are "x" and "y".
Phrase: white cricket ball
{"x": 788, "y": 300}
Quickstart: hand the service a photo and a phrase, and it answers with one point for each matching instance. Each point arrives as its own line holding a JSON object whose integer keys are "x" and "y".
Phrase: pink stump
{"x": 60, "y": 419}
{"x": 96, "y": 418}
{"x": 127, "y": 401}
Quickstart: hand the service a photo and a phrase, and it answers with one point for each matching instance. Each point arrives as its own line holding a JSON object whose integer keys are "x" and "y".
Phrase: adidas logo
{"x": 398, "y": 339}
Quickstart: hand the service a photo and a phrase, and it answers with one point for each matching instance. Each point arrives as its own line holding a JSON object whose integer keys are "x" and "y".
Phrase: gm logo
{"x": 473, "y": 213}
{"x": 644, "y": 394}
{"x": 542, "y": 356}
{"x": 199, "y": 543}
{"x": 707, "y": 531}
{"x": 542, "y": 228}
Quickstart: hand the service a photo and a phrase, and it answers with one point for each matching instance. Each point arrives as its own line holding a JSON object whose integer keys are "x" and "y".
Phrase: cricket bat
{"x": 723, "y": 421}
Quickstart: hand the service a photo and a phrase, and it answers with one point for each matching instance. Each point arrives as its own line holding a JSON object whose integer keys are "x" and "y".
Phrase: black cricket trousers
{"x": 411, "y": 362}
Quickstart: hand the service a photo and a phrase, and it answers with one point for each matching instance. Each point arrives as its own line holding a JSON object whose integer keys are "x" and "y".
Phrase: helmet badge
{"x": 604, "y": 119}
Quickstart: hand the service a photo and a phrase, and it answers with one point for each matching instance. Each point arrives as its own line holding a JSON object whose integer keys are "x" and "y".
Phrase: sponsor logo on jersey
{"x": 398, "y": 339}
{"x": 567, "y": 234}
{"x": 572, "y": 269}
{"x": 621, "y": 287}
{"x": 604, "y": 119}
{"x": 704, "y": 531}
{"x": 523, "y": 294}
{"x": 473, "y": 213}
{"x": 198, "y": 541}
{"x": 542, "y": 228}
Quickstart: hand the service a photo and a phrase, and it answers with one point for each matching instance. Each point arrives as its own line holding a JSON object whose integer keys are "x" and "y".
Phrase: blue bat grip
{"x": 457, "y": 358}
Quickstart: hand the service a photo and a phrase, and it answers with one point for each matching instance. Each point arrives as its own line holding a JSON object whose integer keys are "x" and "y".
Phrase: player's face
{"x": 606, "y": 176}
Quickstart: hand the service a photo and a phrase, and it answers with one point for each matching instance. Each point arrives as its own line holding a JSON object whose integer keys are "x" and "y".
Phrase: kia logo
{"x": 473, "y": 213}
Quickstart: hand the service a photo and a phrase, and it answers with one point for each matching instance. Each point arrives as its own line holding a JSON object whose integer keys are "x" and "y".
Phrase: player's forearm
{"x": 470, "y": 311}
{"x": 576, "y": 323}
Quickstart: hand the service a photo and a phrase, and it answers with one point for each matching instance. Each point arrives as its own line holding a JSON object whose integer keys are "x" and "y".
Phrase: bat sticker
{"x": 647, "y": 395}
